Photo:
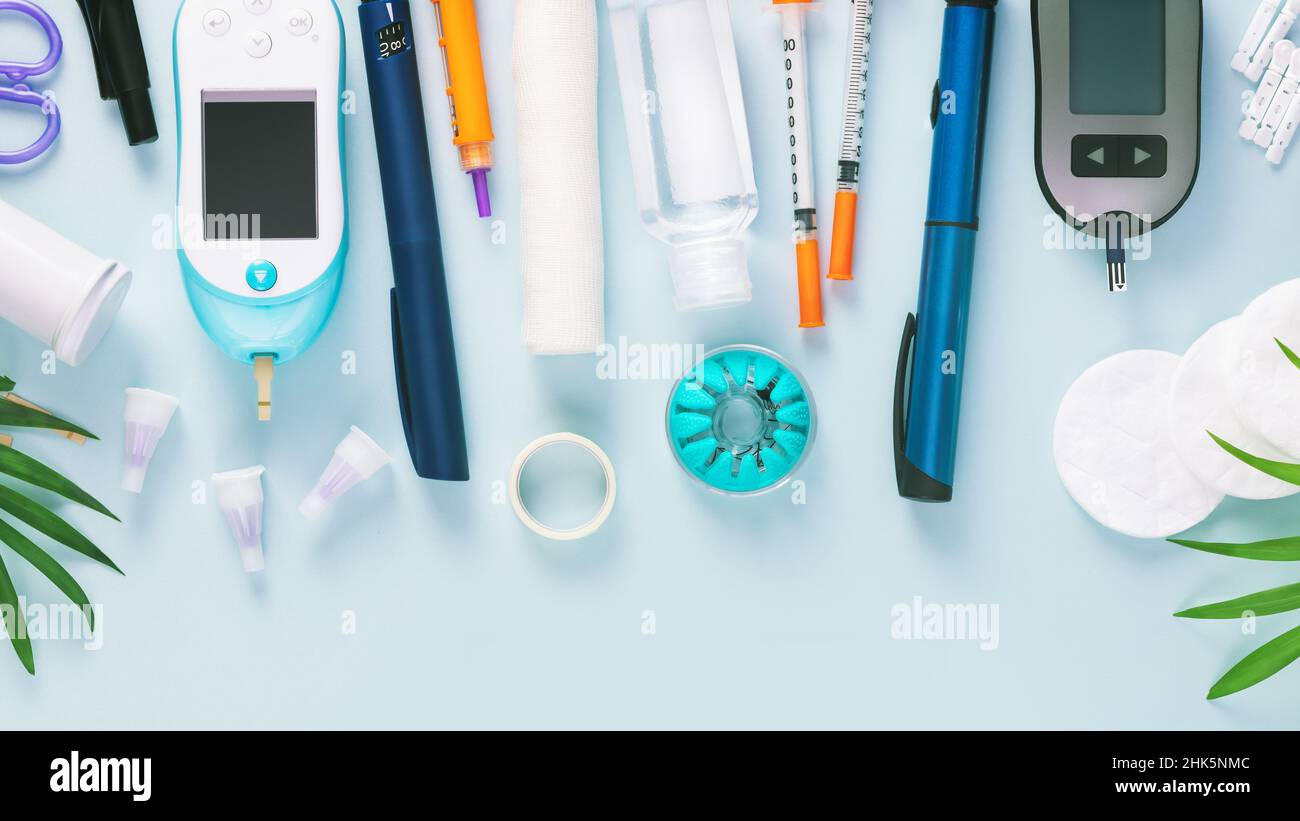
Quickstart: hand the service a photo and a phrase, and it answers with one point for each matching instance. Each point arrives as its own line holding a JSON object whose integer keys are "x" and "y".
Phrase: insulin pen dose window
{"x": 259, "y": 165}
{"x": 1117, "y": 57}
{"x": 392, "y": 38}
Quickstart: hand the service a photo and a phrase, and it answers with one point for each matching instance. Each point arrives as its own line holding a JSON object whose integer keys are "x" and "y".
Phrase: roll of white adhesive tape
{"x": 531, "y": 521}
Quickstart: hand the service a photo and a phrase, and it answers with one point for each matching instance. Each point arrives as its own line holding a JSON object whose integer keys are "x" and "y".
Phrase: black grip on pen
{"x": 120, "y": 64}
{"x": 900, "y": 391}
{"x": 425, "y": 357}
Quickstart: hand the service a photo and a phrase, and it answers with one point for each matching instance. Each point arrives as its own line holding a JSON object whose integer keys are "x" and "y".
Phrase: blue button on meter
{"x": 261, "y": 275}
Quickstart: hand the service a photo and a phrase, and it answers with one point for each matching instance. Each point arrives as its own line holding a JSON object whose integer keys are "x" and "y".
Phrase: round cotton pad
{"x": 1263, "y": 384}
{"x": 1115, "y": 453}
{"x": 1198, "y": 402}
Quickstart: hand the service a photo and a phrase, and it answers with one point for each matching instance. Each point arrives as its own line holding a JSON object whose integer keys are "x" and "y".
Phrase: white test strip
{"x": 1254, "y": 34}
{"x": 1278, "y": 32}
{"x": 1285, "y": 132}
{"x": 1268, "y": 86}
{"x": 1286, "y": 92}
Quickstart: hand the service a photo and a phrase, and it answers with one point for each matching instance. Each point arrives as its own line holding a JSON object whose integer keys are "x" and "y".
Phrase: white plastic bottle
{"x": 54, "y": 289}
{"x": 689, "y": 141}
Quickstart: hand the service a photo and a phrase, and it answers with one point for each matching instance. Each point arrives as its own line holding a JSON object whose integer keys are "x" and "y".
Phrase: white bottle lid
{"x": 54, "y": 289}
{"x": 709, "y": 275}
{"x": 83, "y": 328}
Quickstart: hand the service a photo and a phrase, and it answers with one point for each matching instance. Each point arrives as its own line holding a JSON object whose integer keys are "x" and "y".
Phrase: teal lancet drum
{"x": 742, "y": 421}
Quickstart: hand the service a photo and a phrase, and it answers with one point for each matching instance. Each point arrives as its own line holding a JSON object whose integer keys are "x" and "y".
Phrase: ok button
{"x": 261, "y": 275}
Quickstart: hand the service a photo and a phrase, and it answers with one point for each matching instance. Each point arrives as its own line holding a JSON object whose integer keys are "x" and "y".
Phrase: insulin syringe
{"x": 471, "y": 120}
{"x": 855, "y": 104}
{"x": 807, "y": 257}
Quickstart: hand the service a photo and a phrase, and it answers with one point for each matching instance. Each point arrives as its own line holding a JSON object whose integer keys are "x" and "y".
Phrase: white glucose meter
{"x": 261, "y": 161}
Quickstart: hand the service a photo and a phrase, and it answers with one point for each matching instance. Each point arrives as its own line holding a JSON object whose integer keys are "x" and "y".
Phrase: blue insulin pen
{"x": 424, "y": 352}
{"x": 927, "y": 392}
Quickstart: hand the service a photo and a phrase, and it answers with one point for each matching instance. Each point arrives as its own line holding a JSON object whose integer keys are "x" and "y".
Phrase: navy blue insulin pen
{"x": 428, "y": 387}
{"x": 927, "y": 391}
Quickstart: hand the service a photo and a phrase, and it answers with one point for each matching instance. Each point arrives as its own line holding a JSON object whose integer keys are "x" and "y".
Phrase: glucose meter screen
{"x": 259, "y": 166}
{"x": 1117, "y": 57}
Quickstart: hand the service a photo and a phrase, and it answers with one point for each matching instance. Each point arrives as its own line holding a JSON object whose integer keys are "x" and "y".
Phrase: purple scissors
{"x": 22, "y": 93}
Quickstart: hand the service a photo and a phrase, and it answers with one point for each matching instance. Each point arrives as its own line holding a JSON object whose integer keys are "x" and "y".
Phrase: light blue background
{"x": 769, "y": 614}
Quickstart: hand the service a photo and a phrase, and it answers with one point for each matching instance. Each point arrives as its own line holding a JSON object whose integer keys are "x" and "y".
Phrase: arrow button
{"x": 261, "y": 276}
{"x": 1095, "y": 155}
{"x": 257, "y": 44}
{"x": 216, "y": 22}
{"x": 1145, "y": 155}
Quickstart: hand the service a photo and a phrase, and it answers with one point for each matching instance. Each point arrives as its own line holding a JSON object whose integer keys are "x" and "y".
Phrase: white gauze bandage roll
{"x": 563, "y": 255}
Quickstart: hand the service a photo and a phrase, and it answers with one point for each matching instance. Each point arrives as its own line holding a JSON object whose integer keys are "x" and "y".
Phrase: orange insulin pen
{"x": 807, "y": 257}
{"x": 471, "y": 121}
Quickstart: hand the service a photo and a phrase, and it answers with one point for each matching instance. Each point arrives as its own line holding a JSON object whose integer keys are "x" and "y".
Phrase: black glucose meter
{"x": 1118, "y": 114}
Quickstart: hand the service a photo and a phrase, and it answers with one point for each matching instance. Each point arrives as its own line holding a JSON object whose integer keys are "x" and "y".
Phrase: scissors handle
{"x": 17, "y": 72}
{"x": 53, "y": 121}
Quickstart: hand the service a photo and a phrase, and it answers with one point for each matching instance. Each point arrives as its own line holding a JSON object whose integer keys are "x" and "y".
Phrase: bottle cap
{"x": 710, "y": 275}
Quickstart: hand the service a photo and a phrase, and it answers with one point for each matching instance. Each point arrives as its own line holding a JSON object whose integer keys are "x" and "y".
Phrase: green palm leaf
{"x": 1285, "y": 471}
{"x": 1273, "y": 550}
{"x": 43, "y": 520}
{"x": 1295, "y": 360}
{"x": 1266, "y": 603}
{"x": 17, "y": 626}
{"x": 20, "y": 416}
{"x": 51, "y": 569}
{"x": 21, "y": 466}
{"x": 1259, "y": 665}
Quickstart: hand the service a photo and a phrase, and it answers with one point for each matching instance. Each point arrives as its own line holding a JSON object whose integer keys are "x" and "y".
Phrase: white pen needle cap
{"x": 239, "y": 493}
{"x": 147, "y": 415}
{"x": 355, "y": 460}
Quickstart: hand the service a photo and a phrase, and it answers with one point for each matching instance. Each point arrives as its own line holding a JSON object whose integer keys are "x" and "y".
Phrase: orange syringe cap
{"x": 808, "y": 260}
{"x": 846, "y": 216}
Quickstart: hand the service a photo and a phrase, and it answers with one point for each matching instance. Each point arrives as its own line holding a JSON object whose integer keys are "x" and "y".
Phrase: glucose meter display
{"x": 1117, "y": 57}
{"x": 259, "y": 166}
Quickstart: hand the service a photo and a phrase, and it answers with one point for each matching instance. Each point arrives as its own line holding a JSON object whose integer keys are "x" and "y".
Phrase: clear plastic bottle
{"x": 686, "y": 129}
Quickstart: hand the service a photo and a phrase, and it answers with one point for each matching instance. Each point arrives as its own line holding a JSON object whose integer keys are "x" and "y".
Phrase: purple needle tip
{"x": 481, "y": 192}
